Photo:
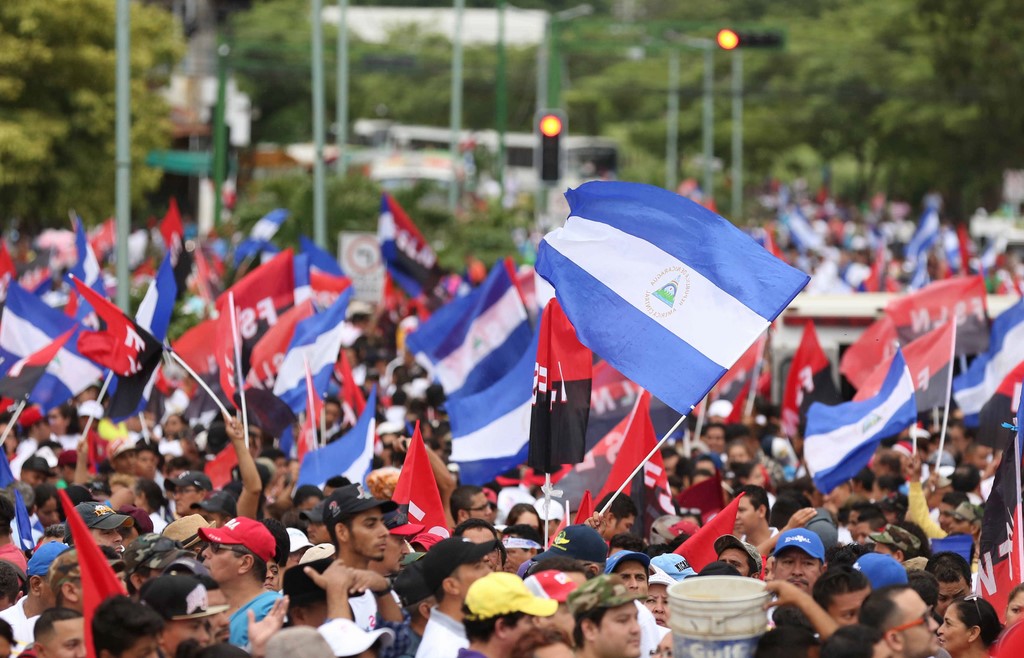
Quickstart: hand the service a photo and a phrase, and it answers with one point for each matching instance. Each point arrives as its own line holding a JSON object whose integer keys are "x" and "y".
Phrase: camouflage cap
{"x": 608, "y": 591}
{"x": 150, "y": 551}
{"x": 897, "y": 537}
{"x": 64, "y": 568}
{"x": 968, "y": 512}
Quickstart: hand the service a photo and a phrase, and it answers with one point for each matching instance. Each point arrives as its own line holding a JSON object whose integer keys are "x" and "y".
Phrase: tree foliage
{"x": 57, "y": 61}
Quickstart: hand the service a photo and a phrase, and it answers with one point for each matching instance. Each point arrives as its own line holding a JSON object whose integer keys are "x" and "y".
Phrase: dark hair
{"x": 713, "y": 426}
{"x": 462, "y": 497}
{"x": 844, "y": 555}
{"x": 471, "y": 523}
{"x": 889, "y": 460}
{"x": 786, "y": 641}
{"x": 70, "y": 413}
{"x": 282, "y": 542}
{"x": 976, "y": 611}
{"x": 865, "y": 478}
{"x": 595, "y": 615}
{"x": 836, "y": 581}
{"x": 483, "y": 629}
{"x": 10, "y": 582}
{"x": 879, "y": 610}
{"x": 955, "y": 498}
{"x": 49, "y": 617}
{"x": 654, "y": 550}
{"x": 856, "y": 641}
{"x": 757, "y": 496}
{"x": 6, "y": 632}
{"x": 43, "y": 493}
{"x": 512, "y": 518}
{"x": 965, "y": 478}
{"x": 786, "y": 505}
{"x": 558, "y": 563}
{"x": 6, "y": 513}
{"x": 523, "y": 531}
{"x": 890, "y": 483}
{"x": 871, "y": 514}
{"x": 792, "y": 617}
{"x": 120, "y": 622}
{"x": 925, "y": 584}
{"x": 622, "y": 507}
{"x": 949, "y": 567}
{"x": 538, "y": 638}
{"x": 627, "y": 542}
{"x": 151, "y": 491}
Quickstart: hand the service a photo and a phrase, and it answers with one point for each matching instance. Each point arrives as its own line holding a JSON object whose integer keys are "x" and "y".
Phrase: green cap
{"x": 897, "y": 537}
{"x": 152, "y": 551}
{"x": 608, "y": 591}
{"x": 968, "y": 512}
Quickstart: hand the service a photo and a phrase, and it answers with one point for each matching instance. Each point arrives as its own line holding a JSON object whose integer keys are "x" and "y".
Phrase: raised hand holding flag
{"x": 417, "y": 488}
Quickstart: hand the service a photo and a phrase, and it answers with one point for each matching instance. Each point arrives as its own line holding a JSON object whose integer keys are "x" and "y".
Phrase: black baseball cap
{"x": 196, "y": 479}
{"x": 448, "y": 555}
{"x": 179, "y": 597}
{"x": 411, "y": 586}
{"x": 37, "y": 465}
{"x": 314, "y": 514}
{"x": 299, "y": 587}
{"x": 352, "y": 499}
{"x": 102, "y": 517}
{"x": 221, "y": 502}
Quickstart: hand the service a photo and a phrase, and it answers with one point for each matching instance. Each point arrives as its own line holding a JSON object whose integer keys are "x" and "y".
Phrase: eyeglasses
{"x": 233, "y": 548}
{"x": 923, "y": 619}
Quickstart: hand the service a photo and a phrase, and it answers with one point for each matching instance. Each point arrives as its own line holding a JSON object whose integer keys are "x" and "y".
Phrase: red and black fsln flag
{"x": 562, "y": 379}
{"x": 131, "y": 353}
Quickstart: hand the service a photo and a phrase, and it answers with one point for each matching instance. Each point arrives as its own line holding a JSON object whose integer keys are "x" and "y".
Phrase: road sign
{"x": 359, "y": 255}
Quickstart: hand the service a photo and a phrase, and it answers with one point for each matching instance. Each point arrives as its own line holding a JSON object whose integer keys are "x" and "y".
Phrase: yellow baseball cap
{"x": 501, "y": 593}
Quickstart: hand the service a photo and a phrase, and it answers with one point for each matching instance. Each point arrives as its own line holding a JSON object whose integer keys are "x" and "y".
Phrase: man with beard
{"x": 904, "y": 619}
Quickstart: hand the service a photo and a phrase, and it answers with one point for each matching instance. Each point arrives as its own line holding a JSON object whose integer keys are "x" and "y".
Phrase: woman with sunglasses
{"x": 969, "y": 628}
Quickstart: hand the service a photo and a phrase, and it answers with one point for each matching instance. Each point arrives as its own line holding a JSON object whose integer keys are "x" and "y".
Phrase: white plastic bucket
{"x": 717, "y": 616}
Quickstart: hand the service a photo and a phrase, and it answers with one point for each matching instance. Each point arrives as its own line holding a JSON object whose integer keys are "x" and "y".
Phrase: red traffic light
{"x": 550, "y": 125}
{"x": 727, "y": 39}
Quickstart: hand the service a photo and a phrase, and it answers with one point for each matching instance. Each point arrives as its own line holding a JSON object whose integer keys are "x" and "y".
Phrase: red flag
{"x": 219, "y": 468}
{"x": 562, "y": 380}
{"x": 226, "y": 348}
{"x": 1000, "y": 408}
{"x": 327, "y": 287}
{"x": 706, "y": 496}
{"x": 261, "y": 296}
{"x": 809, "y": 379}
{"x": 637, "y": 441}
{"x": 769, "y": 241}
{"x": 26, "y": 373}
{"x": 699, "y": 550}
{"x": 586, "y": 509}
{"x": 8, "y": 272}
{"x": 962, "y": 298}
{"x": 196, "y": 349}
{"x": 268, "y": 352}
{"x": 929, "y": 359}
{"x": 966, "y": 247}
{"x": 736, "y": 383}
{"x": 352, "y": 400}
{"x": 875, "y": 345}
{"x": 999, "y": 547}
{"x": 203, "y": 276}
{"x": 98, "y": 580}
{"x": 417, "y": 489}
{"x": 171, "y": 228}
{"x": 314, "y": 406}
{"x": 103, "y": 239}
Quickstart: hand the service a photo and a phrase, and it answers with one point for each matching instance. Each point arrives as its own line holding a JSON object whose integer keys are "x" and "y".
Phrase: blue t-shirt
{"x": 239, "y": 625}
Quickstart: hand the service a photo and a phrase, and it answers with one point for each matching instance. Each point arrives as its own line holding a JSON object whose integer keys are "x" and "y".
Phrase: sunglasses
{"x": 974, "y": 599}
{"x": 232, "y": 548}
{"x": 922, "y": 620}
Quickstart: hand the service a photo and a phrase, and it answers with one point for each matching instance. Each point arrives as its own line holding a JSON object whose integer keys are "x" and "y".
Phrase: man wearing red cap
{"x": 237, "y": 558}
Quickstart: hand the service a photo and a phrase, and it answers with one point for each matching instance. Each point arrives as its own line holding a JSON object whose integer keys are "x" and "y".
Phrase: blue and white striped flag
{"x": 925, "y": 236}
{"x": 840, "y": 440}
{"x": 666, "y": 291}
{"x": 351, "y": 455}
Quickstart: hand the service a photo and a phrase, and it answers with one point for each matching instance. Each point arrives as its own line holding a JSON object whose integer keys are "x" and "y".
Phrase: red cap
{"x": 426, "y": 540}
{"x": 242, "y": 531}
{"x": 551, "y": 585}
{"x": 687, "y": 526}
{"x": 407, "y": 530}
{"x": 67, "y": 458}
{"x": 30, "y": 417}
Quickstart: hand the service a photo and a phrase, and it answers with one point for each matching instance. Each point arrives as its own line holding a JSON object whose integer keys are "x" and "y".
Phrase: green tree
{"x": 57, "y": 61}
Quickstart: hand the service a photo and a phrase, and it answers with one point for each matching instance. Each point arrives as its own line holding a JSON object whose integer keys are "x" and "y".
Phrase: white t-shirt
{"x": 443, "y": 637}
{"x": 24, "y": 627}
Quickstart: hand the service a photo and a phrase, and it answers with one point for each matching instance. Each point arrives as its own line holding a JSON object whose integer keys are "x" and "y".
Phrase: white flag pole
{"x": 949, "y": 396}
{"x": 14, "y": 419}
{"x": 99, "y": 398}
{"x": 239, "y": 383}
{"x": 199, "y": 380}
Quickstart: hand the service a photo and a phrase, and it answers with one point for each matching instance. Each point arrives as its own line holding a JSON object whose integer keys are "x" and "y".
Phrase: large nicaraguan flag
{"x": 972, "y": 389}
{"x": 658, "y": 285}
{"x": 28, "y": 326}
{"x": 840, "y": 440}
{"x": 491, "y": 428}
{"x": 351, "y": 455}
{"x": 474, "y": 340}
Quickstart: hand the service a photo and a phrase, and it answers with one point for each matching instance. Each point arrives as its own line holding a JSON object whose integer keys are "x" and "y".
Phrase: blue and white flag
{"x": 925, "y": 236}
{"x": 801, "y": 232}
{"x": 921, "y": 277}
{"x": 666, "y": 291}
{"x": 86, "y": 268}
{"x": 319, "y": 258}
{"x": 28, "y": 325}
{"x": 267, "y": 226}
{"x": 951, "y": 249}
{"x": 154, "y": 314}
{"x": 316, "y": 339}
{"x": 491, "y": 428}
{"x": 840, "y": 440}
{"x": 351, "y": 455}
{"x": 972, "y": 389}
{"x": 474, "y": 340}
{"x": 23, "y": 522}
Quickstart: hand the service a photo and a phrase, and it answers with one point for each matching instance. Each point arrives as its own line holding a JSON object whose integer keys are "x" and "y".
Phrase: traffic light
{"x": 729, "y": 39}
{"x": 551, "y": 127}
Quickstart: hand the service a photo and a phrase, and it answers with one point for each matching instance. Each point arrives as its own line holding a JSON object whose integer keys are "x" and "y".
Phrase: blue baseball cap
{"x": 675, "y": 566}
{"x": 580, "y": 542}
{"x": 881, "y": 570}
{"x": 802, "y": 538}
{"x": 626, "y": 556}
{"x": 44, "y": 556}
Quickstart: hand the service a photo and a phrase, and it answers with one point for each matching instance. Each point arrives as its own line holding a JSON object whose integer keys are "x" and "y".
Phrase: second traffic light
{"x": 728, "y": 39}
{"x": 550, "y": 128}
